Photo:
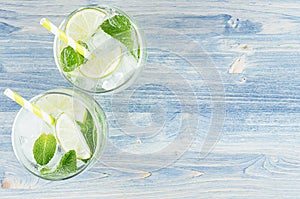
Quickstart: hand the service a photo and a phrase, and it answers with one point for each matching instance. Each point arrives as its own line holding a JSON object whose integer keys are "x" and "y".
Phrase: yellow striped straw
{"x": 59, "y": 33}
{"x": 29, "y": 106}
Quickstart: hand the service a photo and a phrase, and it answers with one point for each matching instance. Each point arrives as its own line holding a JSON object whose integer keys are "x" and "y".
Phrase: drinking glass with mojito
{"x": 70, "y": 143}
{"x": 115, "y": 42}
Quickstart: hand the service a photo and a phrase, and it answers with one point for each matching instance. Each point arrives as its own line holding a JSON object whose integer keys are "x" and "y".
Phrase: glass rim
{"x": 140, "y": 38}
{"x": 98, "y": 151}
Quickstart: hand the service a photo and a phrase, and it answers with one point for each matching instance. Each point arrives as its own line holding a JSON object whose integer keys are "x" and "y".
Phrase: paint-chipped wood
{"x": 238, "y": 65}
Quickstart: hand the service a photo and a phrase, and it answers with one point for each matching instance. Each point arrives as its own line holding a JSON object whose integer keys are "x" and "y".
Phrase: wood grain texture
{"x": 257, "y": 154}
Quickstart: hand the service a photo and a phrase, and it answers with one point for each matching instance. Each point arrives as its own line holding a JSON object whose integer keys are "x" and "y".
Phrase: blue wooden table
{"x": 215, "y": 114}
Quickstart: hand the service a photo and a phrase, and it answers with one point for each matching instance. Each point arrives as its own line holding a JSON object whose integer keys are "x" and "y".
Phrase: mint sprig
{"x": 44, "y": 148}
{"x": 120, "y": 28}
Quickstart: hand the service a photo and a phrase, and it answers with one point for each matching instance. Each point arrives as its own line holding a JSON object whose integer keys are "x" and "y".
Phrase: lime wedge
{"x": 55, "y": 104}
{"x": 84, "y": 23}
{"x": 105, "y": 62}
{"x": 70, "y": 137}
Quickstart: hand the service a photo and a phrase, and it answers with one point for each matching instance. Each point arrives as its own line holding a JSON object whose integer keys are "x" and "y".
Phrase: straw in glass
{"x": 71, "y": 42}
{"x": 29, "y": 106}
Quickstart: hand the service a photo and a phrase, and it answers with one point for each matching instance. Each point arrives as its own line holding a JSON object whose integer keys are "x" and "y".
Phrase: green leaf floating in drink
{"x": 71, "y": 59}
{"x": 120, "y": 28}
{"x": 88, "y": 130}
{"x": 44, "y": 148}
{"x": 66, "y": 165}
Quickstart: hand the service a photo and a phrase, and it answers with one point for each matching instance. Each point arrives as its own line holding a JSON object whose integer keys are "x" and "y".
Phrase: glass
{"x": 121, "y": 65}
{"x": 27, "y": 128}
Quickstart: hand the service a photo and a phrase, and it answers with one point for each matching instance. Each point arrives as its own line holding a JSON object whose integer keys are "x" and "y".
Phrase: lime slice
{"x": 84, "y": 23}
{"x": 104, "y": 63}
{"x": 55, "y": 104}
{"x": 70, "y": 137}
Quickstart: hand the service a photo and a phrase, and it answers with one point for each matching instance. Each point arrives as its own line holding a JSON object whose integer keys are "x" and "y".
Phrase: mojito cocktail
{"x": 69, "y": 146}
{"x": 116, "y": 45}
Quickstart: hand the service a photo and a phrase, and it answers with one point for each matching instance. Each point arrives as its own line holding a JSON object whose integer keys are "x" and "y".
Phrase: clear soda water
{"x": 28, "y": 128}
{"x": 103, "y": 45}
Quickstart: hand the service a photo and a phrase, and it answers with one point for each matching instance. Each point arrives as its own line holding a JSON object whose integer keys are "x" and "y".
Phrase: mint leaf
{"x": 120, "y": 28}
{"x": 70, "y": 59}
{"x": 116, "y": 25}
{"x": 88, "y": 130}
{"x": 44, "y": 148}
{"x": 67, "y": 163}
